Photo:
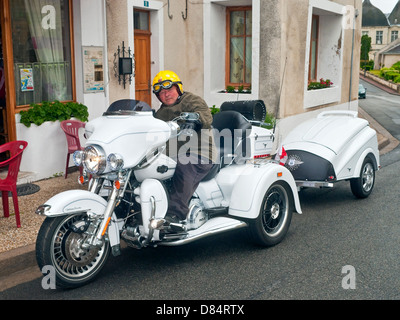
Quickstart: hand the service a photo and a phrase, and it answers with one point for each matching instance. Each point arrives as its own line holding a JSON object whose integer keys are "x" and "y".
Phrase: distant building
{"x": 384, "y": 32}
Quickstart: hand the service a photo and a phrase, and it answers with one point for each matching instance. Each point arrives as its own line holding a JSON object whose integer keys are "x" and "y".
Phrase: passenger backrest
{"x": 231, "y": 131}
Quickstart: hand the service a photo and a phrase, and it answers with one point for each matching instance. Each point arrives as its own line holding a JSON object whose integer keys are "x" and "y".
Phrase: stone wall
{"x": 389, "y": 84}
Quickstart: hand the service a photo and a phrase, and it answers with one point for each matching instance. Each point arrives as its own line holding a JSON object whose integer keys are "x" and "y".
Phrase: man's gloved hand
{"x": 191, "y": 124}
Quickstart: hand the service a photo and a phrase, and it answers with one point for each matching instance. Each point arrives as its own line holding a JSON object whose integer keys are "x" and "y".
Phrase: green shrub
{"x": 391, "y": 74}
{"x": 383, "y": 70}
{"x": 230, "y": 89}
{"x": 269, "y": 121}
{"x": 396, "y": 66}
{"x": 367, "y": 64}
{"x": 397, "y": 79}
{"x": 214, "y": 110}
{"x": 53, "y": 111}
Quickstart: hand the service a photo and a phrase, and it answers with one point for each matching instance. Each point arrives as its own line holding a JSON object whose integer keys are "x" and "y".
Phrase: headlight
{"x": 94, "y": 159}
{"x": 77, "y": 156}
{"x": 115, "y": 161}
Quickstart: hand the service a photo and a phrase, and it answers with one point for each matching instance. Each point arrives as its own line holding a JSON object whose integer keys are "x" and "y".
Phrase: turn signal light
{"x": 81, "y": 180}
{"x": 105, "y": 228}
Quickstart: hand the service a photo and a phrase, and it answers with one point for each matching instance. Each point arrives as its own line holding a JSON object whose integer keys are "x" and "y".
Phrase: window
{"x": 312, "y": 72}
{"x": 239, "y": 46}
{"x": 379, "y": 37}
{"x": 217, "y": 54}
{"x": 42, "y": 50}
{"x": 324, "y": 52}
{"x": 364, "y": 33}
{"x": 394, "y": 36}
{"x": 141, "y": 20}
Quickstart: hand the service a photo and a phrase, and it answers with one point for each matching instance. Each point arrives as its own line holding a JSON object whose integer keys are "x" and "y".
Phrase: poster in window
{"x": 26, "y": 79}
{"x": 93, "y": 69}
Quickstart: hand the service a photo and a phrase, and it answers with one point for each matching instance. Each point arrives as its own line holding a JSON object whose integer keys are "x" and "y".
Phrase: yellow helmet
{"x": 166, "y": 79}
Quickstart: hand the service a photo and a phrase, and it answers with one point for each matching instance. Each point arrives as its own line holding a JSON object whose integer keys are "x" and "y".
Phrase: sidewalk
{"x": 17, "y": 245}
{"x": 385, "y": 140}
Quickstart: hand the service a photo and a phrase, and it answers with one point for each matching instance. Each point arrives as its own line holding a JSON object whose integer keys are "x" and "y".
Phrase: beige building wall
{"x": 117, "y": 32}
{"x": 294, "y": 18}
{"x": 183, "y": 45}
{"x": 294, "y": 39}
{"x": 351, "y": 55}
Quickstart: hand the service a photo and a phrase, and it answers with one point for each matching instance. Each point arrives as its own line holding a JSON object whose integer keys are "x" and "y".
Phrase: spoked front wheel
{"x": 58, "y": 246}
{"x": 275, "y": 216}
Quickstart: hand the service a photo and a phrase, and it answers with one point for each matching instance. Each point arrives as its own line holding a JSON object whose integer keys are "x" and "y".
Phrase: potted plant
{"x": 322, "y": 84}
{"x": 46, "y": 153}
{"x": 53, "y": 111}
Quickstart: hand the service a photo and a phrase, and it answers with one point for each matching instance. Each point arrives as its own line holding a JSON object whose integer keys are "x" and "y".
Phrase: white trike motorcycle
{"x": 127, "y": 198}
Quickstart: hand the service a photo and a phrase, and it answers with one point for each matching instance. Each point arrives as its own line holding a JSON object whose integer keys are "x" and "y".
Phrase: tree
{"x": 365, "y": 47}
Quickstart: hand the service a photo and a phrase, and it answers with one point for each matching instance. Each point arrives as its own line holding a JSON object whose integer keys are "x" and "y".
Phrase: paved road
{"x": 383, "y": 107}
{"x": 336, "y": 230}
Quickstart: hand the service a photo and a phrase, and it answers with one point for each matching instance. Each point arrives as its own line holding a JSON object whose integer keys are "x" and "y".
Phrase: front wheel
{"x": 58, "y": 246}
{"x": 275, "y": 216}
{"x": 363, "y": 185}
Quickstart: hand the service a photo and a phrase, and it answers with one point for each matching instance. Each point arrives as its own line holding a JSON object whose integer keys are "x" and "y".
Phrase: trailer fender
{"x": 367, "y": 153}
{"x": 251, "y": 186}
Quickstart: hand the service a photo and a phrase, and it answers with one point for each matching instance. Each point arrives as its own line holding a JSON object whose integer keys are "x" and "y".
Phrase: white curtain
{"x": 237, "y": 47}
{"x": 45, "y": 26}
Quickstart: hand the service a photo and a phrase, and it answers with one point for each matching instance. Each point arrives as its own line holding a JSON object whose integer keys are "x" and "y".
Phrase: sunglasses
{"x": 166, "y": 84}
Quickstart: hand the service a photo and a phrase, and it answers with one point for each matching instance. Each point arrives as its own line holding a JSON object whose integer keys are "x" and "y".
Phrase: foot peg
{"x": 176, "y": 227}
{"x": 162, "y": 224}
{"x": 157, "y": 223}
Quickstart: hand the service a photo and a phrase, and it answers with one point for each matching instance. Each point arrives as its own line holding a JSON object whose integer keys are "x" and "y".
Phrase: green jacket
{"x": 201, "y": 144}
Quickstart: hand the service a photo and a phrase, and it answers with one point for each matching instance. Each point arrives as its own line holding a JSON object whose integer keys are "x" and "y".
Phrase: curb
{"x": 386, "y": 142}
{"x": 17, "y": 260}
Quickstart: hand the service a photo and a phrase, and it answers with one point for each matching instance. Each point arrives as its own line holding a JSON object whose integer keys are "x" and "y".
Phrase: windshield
{"x": 126, "y": 107}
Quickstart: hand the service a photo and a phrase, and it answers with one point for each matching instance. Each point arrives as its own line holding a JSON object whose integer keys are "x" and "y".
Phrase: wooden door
{"x": 3, "y": 103}
{"x": 142, "y": 67}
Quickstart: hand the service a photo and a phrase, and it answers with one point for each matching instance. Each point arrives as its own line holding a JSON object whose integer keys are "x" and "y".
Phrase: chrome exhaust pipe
{"x": 194, "y": 235}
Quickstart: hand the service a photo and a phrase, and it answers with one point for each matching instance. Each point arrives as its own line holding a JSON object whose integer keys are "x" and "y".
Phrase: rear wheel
{"x": 363, "y": 185}
{"x": 275, "y": 216}
{"x": 58, "y": 246}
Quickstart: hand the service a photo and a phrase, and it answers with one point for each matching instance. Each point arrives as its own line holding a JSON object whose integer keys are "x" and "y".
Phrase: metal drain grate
{"x": 26, "y": 189}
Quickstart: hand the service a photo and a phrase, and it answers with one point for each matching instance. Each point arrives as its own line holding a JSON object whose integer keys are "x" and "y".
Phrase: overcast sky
{"x": 385, "y": 5}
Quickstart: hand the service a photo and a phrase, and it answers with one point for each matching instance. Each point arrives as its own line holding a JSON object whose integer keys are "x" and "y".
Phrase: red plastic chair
{"x": 71, "y": 129}
{"x": 15, "y": 149}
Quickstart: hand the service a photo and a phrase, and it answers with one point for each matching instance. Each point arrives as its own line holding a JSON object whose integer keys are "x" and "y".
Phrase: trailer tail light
{"x": 261, "y": 156}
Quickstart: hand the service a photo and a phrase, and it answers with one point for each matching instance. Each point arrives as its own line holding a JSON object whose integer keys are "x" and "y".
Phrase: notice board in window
{"x": 93, "y": 69}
